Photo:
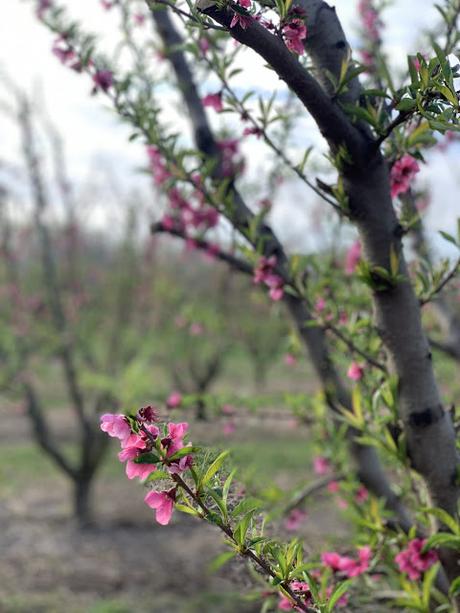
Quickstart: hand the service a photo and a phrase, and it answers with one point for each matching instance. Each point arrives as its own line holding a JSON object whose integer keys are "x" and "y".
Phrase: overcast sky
{"x": 93, "y": 133}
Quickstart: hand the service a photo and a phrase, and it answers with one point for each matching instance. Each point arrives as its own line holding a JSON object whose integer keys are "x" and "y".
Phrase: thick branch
{"x": 328, "y": 48}
{"x": 42, "y": 432}
{"x": 331, "y": 120}
{"x": 49, "y": 264}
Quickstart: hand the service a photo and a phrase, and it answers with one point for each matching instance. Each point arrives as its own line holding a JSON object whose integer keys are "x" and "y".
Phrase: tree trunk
{"x": 200, "y": 413}
{"x": 82, "y": 507}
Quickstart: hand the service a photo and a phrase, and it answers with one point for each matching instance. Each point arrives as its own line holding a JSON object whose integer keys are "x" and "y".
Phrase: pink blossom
{"x": 227, "y": 409}
{"x": 347, "y": 565}
{"x": 355, "y": 371}
{"x": 196, "y": 329}
{"x": 370, "y": 19}
{"x": 229, "y": 149}
{"x": 333, "y": 487}
{"x": 321, "y": 465}
{"x": 320, "y": 304}
{"x": 116, "y": 426}
{"x": 132, "y": 448}
{"x": 294, "y": 520}
{"x": 342, "y": 504}
{"x": 276, "y": 285}
{"x": 42, "y": 7}
{"x": 362, "y": 494}
{"x": 139, "y": 19}
{"x": 246, "y": 4}
{"x": 107, "y": 4}
{"x": 343, "y": 318}
{"x": 168, "y": 222}
{"x": 174, "y": 400}
{"x": 413, "y": 562}
{"x": 229, "y": 428}
{"x": 178, "y": 466}
{"x": 63, "y": 51}
{"x": 242, "y": 20}
{"x": 332, "y": 559}
{"x": 177, "y": 431}
{"x": 252, "y": 130}
{"x": 264, "y": 273}
{"x": 163, "y": 503}
{"x": 214, "y": 101}
{"x": 148, "y": 414}
{"x": 290, "y": 359}
{"x": 103, "y": 79}
{"x": 354, "y": 568}
{"x": 203, "y": 44}
{"x": 295, "y": 32}
{"x": 367, "y": 58}
{"x": 302, "y": 590}
{"x": 352, "y": 258}
{"x": 157, "y": 165}
{"x": 402, "y": 174}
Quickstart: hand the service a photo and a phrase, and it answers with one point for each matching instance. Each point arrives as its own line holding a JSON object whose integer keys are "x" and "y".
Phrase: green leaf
{"x": 220, "y": 560}
{"x": 406, "y": 104}
{"x": 455, "y": 587}
{"x": 449, "y": 95}
{"x": 187, "y": 450}
{"x": 428, "y": 581}
{"x": 337, "y": 594}
{"x": 215, "y": 466}
{"x": 443, "y": 540}
{"x": 242, "y": 527}
{"x": 158, "y": 475}
{"x": 445, "y": 518}
{"x": 228, "y": 482}
{"x": 186, "y": 509}
{"x": 147, "y": 458}
{"x": 449, "y": 238}
{"x": 246, "y": 505}
{"x": 356, "y": 399}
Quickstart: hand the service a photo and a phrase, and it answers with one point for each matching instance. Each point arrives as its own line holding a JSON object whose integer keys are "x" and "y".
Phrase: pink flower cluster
{"x": 349, "y": 566}
{"x": 157, "y": 165}
{"x": 42, "y": 7}
{"x": 370, "y": 19}
{"x": 103, "y": 79}
{"x": 294, "y": 520}
{"x": 242, "y": 20}
{"x": 214, "y": 101}
{"x": 352, "y": 258}
{"x": 402, "y": 174}
{"x": 413, "y": 562}
{"x": 302, "y": 591}
{"x": 321, "y": 466}
{"x": 294, "y": 33}
{"x": 265, "y": 273}
{"x": 141, "y": 438}
{"x": 174, "y": 400}
{"x": 184, "y": 213}
{"x": 229, "y": 151}
{"x": 63, "y": 50}
{"x": 355, "y": 371}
